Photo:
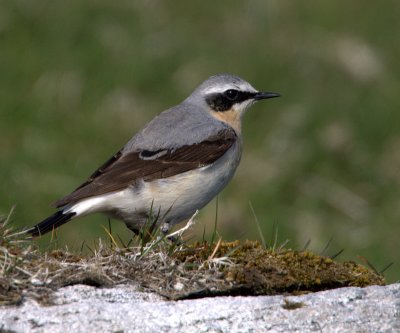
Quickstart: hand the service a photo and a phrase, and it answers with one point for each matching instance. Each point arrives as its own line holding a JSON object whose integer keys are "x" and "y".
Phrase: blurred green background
{"x": 79, "y": 78}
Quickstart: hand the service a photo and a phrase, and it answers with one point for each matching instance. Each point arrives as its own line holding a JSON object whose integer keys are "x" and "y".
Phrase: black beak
{"x": 264, "y": 95}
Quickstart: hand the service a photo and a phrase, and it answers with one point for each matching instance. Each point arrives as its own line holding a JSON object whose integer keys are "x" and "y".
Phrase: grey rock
{"x": 124, "y": 309}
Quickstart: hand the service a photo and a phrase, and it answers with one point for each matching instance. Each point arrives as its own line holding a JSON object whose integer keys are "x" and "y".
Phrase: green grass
{"x": 78, "y": 78}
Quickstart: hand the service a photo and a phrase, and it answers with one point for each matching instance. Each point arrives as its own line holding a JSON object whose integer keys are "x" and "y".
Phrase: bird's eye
{"x": 231, "y": 94}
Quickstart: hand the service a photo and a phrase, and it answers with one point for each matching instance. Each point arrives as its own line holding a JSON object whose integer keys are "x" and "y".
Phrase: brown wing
{"x": 122, "y": 170}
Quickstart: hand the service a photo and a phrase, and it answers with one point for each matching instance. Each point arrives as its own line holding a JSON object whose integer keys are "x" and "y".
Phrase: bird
{"x": 175, "y": 165}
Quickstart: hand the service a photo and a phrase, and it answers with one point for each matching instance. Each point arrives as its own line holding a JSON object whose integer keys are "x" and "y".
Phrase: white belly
{"x": 173, "y": 199}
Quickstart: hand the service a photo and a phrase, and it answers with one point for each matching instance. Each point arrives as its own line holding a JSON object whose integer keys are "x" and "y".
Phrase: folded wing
{"x": 124, "y": 169}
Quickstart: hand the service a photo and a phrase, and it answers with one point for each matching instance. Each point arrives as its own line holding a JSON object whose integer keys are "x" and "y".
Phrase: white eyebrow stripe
{"x": 225, "y": 87}
{"x": 220, "y": 89}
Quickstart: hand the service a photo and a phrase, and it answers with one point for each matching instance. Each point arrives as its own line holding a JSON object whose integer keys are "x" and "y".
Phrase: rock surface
{"x": 123, "y": 309}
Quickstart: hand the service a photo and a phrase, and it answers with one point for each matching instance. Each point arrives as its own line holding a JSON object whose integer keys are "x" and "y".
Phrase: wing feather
{"x": 124, "y": 169}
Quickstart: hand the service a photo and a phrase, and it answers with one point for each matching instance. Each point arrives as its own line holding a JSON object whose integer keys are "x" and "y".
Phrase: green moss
{"x": 259, "y": 271}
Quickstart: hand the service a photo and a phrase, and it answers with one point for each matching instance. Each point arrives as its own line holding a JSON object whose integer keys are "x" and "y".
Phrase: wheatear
{"x": 174, "y": 166}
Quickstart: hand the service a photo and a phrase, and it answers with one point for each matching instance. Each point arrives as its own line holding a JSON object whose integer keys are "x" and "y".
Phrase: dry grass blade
{"x": 113, "y": 242}
{"x": 384, "y": 269}
{"x": 263, "y": 242}
{"x": 368, "y": 263}
{"x": 215, "y": 249}
{"x": 326, "y": 246}
{"x": 188, "y": 225}
{"x": 306, "y": 245}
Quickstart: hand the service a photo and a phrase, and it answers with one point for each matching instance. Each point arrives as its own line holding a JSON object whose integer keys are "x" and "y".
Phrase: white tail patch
{"x": 87, "y": 206}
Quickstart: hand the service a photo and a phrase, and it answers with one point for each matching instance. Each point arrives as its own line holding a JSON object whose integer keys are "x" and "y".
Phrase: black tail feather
{"x": 51, "y": 223}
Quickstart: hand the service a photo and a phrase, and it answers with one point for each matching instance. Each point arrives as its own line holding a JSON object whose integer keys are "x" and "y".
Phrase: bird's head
{"x": 227, "y": 97}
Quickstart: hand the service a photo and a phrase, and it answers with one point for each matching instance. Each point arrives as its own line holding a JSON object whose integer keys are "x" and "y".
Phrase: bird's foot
{"x": 165, "y": 228}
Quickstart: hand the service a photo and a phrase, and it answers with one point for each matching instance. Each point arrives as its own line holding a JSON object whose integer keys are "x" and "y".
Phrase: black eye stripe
{"x": 243, "y": 95}
{"x": 224, "y": 101}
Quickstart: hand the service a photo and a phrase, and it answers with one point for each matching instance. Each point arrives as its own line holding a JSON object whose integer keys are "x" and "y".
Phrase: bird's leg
{"x": 165, "y": 228}
{"x": 133, "y": 229}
